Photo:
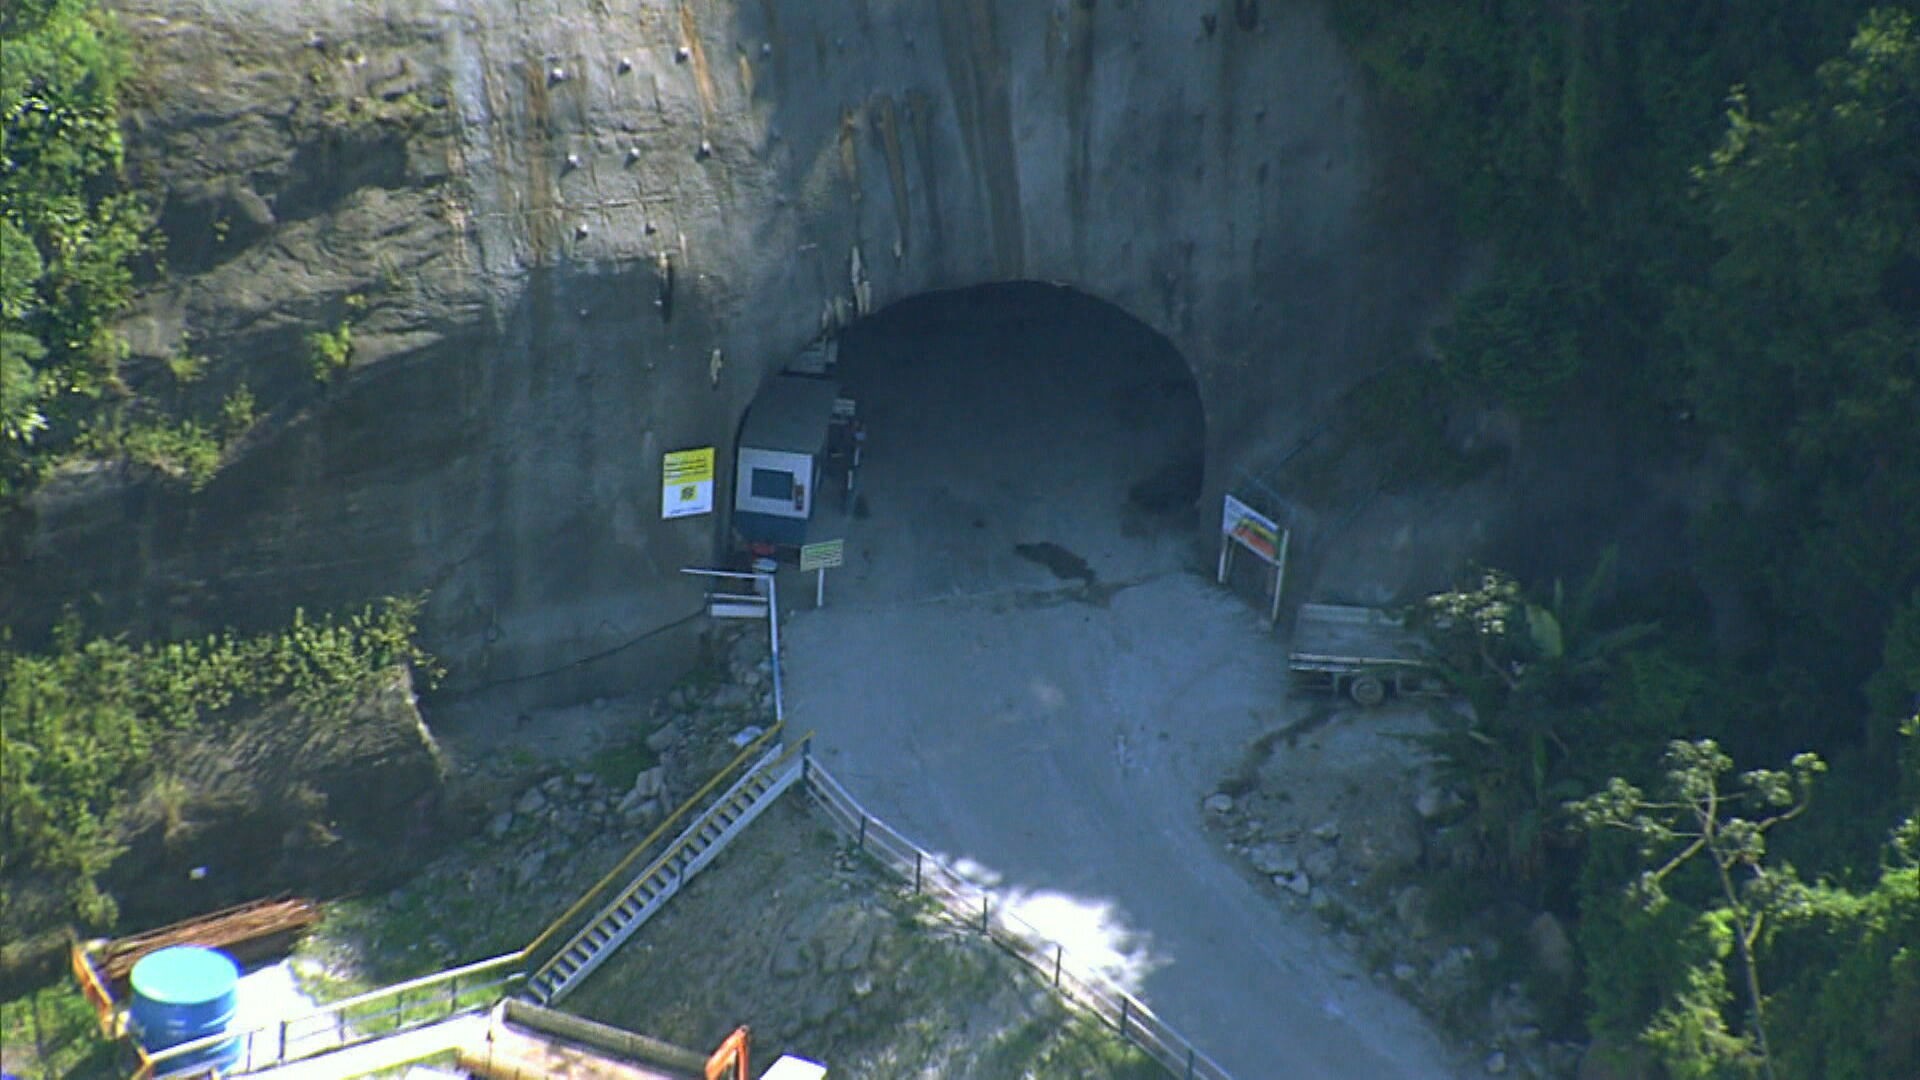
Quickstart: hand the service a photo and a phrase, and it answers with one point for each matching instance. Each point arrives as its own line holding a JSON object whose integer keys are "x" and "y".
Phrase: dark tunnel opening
{"x": 1018, "y": 434}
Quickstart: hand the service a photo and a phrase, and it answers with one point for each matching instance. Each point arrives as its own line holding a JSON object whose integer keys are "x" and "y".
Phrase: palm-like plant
{"x": 1530, "y": 674}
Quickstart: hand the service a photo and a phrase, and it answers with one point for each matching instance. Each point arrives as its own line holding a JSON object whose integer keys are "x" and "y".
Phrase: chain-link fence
{"x": 978, "y": 907}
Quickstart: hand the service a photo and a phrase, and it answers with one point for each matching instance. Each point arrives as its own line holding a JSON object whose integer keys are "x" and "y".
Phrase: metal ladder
{"x": 654, "y": 886}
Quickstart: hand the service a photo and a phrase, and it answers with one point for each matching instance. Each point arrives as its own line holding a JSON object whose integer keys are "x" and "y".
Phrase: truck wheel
{"x": 1367, "y": 690}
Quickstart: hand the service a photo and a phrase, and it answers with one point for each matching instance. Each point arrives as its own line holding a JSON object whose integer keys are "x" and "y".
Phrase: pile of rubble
{"x": 1347, "y": 822}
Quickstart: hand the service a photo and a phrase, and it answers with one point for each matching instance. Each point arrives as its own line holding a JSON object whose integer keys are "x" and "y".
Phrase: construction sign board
{"x": 686, "y": 483}
{"x": 1254, "y": 531}
{"x": 1243, "y": 526}
{"x": 824, "y": 555}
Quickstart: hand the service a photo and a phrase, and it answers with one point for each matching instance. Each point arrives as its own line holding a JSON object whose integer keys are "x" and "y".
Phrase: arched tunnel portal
{"x": 1018, "y": 435}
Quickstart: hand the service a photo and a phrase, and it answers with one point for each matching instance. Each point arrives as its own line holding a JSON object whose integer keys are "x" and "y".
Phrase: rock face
{"x": 566, "y": 240}
{"x": 280, "y": 801}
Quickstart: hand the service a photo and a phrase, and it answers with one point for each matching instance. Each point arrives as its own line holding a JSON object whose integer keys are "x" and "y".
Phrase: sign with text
{"x": 686, "y": 483}
{"x": 824, "y": 555}
{"x": 1254, "y": 531}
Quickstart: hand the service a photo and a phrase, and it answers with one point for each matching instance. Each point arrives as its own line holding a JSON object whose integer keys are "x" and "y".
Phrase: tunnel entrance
{"x": 1019, "y": 436}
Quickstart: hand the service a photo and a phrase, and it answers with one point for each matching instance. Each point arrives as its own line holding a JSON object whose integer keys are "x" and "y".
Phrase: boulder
{"x": 1327, "y": 832}
{"x": 1387, "y": 839}
{"x": 1218, "y": 803}
{"x": 501, "y": 824}
{"x": 531, "y": 801}
{"x": 1410, "y": 910}
{"x": 529, "y": 867}
{"x": 1272, "y": 859}
{"x": 729, "y": 697}
{"x": 1552, "y": 951}
{"x": 663, "y": 739}
{"x": 1321, "y": 862}
{"x": 648, "y": 783}
{"x": 1497, "y": 1063}
{"x": 1436, "y": 801}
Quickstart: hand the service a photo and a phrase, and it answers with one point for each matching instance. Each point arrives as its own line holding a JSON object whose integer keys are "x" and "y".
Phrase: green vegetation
{"x": 1697, "y": 819}
{"x": 70, "y": 238}
{"x": 81, "y": 725}
{"x": 52, "y": 1032}
{"x": 1534, "y": 673}
{"x": 186, "y": 449}
{"x": 330, "y": 352}
{"x": 68, "y": 233}
{"x": 1704, "y": 227}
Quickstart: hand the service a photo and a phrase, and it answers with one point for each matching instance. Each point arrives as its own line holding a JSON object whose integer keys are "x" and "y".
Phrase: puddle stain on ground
{"x": 1062, "y": 563}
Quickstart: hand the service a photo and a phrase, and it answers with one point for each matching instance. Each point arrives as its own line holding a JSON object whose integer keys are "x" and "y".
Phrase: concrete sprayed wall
{"x": 570, "y": 235}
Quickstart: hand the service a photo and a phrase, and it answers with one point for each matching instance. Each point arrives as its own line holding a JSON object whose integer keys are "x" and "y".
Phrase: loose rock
{"x": 1552, "y": 951}
{"x": 663, "y": 739}
{"x": 1410, "y": 908}
{"x": 1436, "y": 801}
{"x": 1272, "y": 859}
{"x": 530, "y": 866}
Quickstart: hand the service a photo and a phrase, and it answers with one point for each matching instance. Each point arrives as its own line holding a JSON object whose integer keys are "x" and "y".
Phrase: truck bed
{"x": 1338, "y": 637}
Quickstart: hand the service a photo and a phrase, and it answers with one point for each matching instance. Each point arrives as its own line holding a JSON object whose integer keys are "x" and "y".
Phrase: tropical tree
{"x": 1697, "y": 817}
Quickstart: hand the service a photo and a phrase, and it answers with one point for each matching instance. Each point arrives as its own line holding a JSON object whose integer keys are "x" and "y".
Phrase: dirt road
{"x": 1020, "y": 672}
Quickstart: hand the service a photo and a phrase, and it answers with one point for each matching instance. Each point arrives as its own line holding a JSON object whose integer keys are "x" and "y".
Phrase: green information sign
{"x": 824, "y": 555}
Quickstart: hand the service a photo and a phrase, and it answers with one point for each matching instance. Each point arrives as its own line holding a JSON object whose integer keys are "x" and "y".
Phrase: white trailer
{"x": 778, "y": 462}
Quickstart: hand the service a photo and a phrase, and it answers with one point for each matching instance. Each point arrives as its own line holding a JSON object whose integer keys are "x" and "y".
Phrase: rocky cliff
{"x": 565, "y": 236}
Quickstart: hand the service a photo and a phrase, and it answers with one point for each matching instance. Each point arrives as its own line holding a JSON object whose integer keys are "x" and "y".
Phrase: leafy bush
{"x": 68, "y": 232}
{"x": 330, "y": 352}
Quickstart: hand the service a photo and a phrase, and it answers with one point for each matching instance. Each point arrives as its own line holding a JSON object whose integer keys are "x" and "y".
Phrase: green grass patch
{"x": 616, "y": 766}
{"x": 51, "y": 1034}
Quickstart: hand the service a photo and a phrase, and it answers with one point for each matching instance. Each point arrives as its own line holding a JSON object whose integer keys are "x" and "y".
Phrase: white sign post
{"x": 686, "y": 483}
{"x": 1242, "y": 526}
{"x": 818, "y": 558}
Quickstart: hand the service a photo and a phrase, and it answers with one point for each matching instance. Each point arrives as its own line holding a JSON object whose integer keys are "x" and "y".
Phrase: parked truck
{"x": 1363, "y": 653}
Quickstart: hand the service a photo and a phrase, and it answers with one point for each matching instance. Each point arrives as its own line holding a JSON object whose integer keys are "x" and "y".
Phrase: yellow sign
{"x": 686, "y": 483}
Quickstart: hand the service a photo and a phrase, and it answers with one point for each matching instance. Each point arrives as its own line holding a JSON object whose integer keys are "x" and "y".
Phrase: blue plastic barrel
{"x": 181, "y": 994}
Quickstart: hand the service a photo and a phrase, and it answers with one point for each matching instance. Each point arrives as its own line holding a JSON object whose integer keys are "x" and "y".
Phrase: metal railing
{"x": 977, "y": 907}
{"x": 94, "y": 988}
{"x": 614, "y": 876}
{"x": 351, "y": 1021}
{"x": 417, "y": 1002}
